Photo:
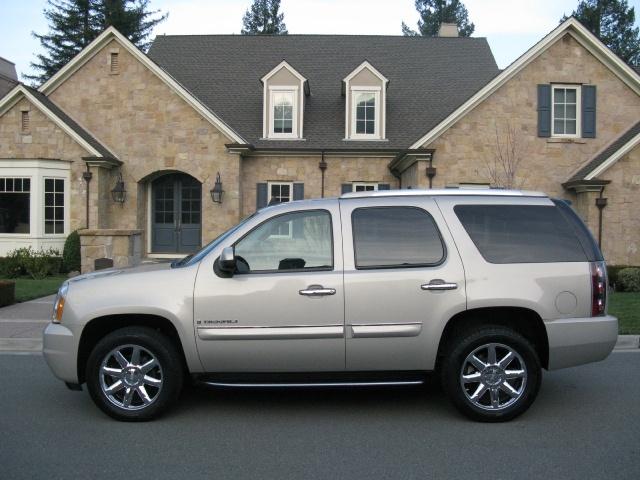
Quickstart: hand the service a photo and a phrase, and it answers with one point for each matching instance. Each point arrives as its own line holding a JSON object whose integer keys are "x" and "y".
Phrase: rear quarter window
{"x": 520, "y": 233}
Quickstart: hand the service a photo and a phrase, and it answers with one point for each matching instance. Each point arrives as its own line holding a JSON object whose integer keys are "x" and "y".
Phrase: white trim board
{"x": 571, "y": 26}
{"x": 14, "y": 96}
{"x": 621, "y": 152}
{"x": 110, "y": 34}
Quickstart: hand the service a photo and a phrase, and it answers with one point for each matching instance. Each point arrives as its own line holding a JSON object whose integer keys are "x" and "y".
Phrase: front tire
{"x": 491, "y": 374}
{"x": 134, "y": 374}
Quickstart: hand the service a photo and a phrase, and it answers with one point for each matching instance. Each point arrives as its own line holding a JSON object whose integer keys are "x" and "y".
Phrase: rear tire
{"x": 134, "y": 374}
{"x": 491, "y": 373}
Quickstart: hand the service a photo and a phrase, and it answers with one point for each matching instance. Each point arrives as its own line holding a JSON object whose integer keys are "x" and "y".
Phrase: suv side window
{"x": 296, "y": 241}
{"x": 520, "y": 233}
{"x": 395, "y": 237}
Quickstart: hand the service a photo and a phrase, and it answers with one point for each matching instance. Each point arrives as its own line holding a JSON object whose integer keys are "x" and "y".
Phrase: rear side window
{"x": 520, "y": 233}
{"x": 388, "y": 237}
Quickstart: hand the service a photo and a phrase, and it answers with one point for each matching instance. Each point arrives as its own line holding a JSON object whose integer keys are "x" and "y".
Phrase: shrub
{"x": 612, "y": 274}
{"x": 629, "y": 279}
{"x": 26, "y": 261}
{"x": 7, "y": 292}
{"x": 71, "y": 253}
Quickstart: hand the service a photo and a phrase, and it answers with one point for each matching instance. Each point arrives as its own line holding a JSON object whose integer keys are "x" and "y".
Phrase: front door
{"x": 283, "y": 310}
{"x": 176, "y": 216}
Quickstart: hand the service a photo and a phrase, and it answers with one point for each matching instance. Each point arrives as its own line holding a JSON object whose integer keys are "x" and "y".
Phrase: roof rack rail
{"x": 486, "y": 192}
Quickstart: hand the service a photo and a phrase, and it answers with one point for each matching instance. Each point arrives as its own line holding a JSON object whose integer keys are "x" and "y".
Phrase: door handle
{"x": 439, "y": 285}
{"x": 317, "y": 291}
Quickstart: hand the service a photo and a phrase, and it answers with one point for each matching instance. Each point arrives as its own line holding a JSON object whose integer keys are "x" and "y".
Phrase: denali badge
{"x": 215, "y": 322}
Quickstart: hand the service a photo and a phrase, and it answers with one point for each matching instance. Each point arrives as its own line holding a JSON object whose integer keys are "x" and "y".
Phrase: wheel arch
{"x": 98, "y": 327}
{"x": 525, "y": 321}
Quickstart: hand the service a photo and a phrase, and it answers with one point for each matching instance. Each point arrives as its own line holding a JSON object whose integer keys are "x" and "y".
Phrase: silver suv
{"x": 485, "y": 288}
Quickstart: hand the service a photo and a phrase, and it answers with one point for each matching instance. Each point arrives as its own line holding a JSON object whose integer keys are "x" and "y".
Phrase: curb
{"x": 628, "y": 342}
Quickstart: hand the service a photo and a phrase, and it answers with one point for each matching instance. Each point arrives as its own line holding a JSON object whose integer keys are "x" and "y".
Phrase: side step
{"x": 312, "y": 385}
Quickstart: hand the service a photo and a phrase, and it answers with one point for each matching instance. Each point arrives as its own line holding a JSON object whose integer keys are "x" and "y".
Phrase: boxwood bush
{"x": 37, "y": 264}
{"x": 71, "y": 253}
{"x": 629, "y": 279}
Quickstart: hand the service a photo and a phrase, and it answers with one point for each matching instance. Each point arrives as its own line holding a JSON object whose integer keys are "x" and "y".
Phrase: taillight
{"x": 598, "y": 288}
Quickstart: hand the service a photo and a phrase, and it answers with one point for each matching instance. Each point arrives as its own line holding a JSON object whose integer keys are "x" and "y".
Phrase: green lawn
{"x": 626, "y": 306}
{"x": 27, "y": 288}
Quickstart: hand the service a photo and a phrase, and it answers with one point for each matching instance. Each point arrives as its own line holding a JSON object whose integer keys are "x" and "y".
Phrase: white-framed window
{"x": 365, "y": 187}
{"x": 565, "y": 113}
{"x": 283, "y": 116}
{"x": 365, "y": 114}
{"x": 54, "y": 205}
{"x": 281, "y": 192}
{"x": 15, "y": 205}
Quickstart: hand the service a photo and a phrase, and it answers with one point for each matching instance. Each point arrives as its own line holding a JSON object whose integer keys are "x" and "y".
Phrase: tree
{"x": 73, "y": 24}
{"x": 435, "y": 12}
{"x": 263, "y": 18}
{"x": 612, "y": 21}
{"x": 503, "y": 170}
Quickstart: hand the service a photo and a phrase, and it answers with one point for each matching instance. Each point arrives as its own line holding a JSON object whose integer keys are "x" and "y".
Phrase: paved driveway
{"x": 21, "y": 325}
{"x": 584, "y": 425}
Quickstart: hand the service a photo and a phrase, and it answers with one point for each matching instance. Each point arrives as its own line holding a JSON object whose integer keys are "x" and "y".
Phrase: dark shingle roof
{"x": 85, "y": 135}
{"x": 6, "y": 85}
{"x": 428, "y": 79}
{"x": 602, "y": 157}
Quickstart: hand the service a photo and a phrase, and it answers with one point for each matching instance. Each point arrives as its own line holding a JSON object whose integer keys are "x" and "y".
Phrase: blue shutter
{"x": 544, "y": 110}
{"x": 384, "y": 186}
{"x": 261, "y": 195}
{"x": 298, "y": 191}
{"x": 346, "y": 188}
{"x": 589, "y": 111}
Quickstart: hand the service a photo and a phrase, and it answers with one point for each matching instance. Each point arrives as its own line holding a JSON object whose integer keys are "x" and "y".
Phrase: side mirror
{"x": 225, "y": 265}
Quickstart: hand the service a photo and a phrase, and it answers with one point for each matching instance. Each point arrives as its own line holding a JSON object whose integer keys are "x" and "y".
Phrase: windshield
{"x": 204, "y": 251}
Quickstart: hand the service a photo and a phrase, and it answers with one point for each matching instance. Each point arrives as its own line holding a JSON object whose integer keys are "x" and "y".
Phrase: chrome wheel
{"x": 131, "y": 377}
{"x": 493, "y": 376}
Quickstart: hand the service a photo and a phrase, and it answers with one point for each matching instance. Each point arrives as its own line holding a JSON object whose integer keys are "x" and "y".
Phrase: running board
{"x": 313, "y": 385}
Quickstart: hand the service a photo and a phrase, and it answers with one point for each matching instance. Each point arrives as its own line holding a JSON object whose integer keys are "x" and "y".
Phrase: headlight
{"x": 58, "y": 305}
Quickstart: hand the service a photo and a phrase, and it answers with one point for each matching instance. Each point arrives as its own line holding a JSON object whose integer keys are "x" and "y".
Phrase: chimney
{"x": 448, "y": 30}
{"x": 8, "y": 69}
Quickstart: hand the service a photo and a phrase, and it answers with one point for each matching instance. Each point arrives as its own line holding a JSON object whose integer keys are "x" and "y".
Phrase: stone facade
{"x": 124, "y": 247}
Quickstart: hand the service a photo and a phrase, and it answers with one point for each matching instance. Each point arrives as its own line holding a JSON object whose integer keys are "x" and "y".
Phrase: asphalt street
{"x": 585, "y": 424}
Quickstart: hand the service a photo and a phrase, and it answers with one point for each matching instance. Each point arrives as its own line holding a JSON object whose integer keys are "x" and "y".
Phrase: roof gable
{"x": 55, "y": 114}
{"x": 570, "y": 26}
{"x": 110, "y": 34}
{"x": 369, "y": 67}
{"x": 280, "y": 66}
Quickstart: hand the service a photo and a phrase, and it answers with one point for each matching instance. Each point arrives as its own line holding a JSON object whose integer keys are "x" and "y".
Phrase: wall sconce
{"x": 119, "y": 194}
{"x": 217, "y": 192}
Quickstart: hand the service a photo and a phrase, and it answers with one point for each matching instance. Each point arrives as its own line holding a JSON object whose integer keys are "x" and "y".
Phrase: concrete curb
{"x": 628, "y": 342}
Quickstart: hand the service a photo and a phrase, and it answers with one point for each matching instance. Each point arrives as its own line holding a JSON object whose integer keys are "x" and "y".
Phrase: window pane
{"x": 285, "y": 190}
{"x": 278, "y": 112}
{"x": 49, "y": 227}
{"x": 570, "y": 95}
{"x": 48, "y": 185}
{"x": 360, "y": 126}
{"x": 370, "y": 127}
{"x": 558, "y": 95}
{"x": 559, "y": 112}
{"x": 287, "y": 126}
{"x": 395, "y": 236}
{"x": 9, "y": 184}
{"x": 570, "y": 127}
{"x": 558, "y": 127}
{"x": 59, "y": 227}
{"x": 278, "y": 126}
{"x": 520, "y": 233}
{"x": 15, "y": 212}
{"x": 294, "y": 241}
{"x": 48, "y": 199}
{"x": 26, "y": 184}
{"x": 570, "y": 111}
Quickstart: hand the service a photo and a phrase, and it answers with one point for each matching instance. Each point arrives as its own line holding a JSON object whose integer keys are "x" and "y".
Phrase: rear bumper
{"x": 575, "y": 341}
{"x": 59, "y": 347}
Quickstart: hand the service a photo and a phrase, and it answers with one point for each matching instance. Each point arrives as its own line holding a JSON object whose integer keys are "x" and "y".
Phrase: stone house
{"x": 153, "y": 155}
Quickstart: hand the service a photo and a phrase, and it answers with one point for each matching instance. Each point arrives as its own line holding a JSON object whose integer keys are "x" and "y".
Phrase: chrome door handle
{"x": 439, "y": 285}
{"x": 317, "y": 291}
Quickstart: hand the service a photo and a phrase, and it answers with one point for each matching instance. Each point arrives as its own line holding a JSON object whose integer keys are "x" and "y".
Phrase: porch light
{"x": 217, "y": 192}
{"x": 119, "y": 194}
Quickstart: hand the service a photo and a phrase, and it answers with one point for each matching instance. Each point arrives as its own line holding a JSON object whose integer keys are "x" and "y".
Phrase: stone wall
{"x": 151, "y": 129}
{"x": 299, "y": 168}
{"x": 124, "y": 247}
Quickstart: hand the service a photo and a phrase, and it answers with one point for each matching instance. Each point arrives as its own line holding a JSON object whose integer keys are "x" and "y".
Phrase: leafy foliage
{"x": 629, "y": 279}
{"x": 264, "y": 18}
{"x": 435, "y": 12}
{"x": 612, "y": 21}
{"x": 71, "y": 253}
{"x": 38, "y": 264}
{"x": 73, "y": 24}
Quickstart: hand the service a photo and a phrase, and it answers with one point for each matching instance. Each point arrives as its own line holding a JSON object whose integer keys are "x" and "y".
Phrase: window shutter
{"x": 588, "y": 111}
{"x": 384, "y": 186}
{"x": 298, "y": 191}
{"x": 261, "y": 195}
{"x": 544, "y": 110}
{"x": 346, "y": 188}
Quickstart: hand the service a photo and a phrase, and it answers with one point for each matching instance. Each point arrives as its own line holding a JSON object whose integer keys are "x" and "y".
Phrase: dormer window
{"x": 365, "y": 105}
{"x": 283, "y": 111}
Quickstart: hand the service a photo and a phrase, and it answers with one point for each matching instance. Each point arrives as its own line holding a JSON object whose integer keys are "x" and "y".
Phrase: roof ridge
{"x": 355, "y": 35}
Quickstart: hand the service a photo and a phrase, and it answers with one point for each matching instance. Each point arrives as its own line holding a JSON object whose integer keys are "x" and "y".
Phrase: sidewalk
{"x": 21, "y": 325}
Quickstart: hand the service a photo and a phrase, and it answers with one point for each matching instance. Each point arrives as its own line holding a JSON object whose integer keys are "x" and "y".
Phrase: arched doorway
{"x": 176, "y": 214}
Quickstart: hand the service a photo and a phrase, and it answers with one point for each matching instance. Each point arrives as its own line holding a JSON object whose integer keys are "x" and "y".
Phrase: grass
{"x": 27, "y": 288}
{"x": 626, "y": 306}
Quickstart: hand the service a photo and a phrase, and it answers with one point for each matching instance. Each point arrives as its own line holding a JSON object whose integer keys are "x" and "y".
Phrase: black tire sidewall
{"x": 166, "y": 354}
{"x": 469, "y": 341}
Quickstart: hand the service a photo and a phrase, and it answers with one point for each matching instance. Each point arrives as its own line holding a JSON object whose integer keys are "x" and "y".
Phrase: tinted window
{"x": 395, "y": 237}
{"x": 293, "y": 241}
{"x": 520, "y": 233}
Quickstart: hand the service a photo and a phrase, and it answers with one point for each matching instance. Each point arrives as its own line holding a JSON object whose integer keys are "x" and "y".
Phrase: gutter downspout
{"x": 431, "y": 171}
{"x": 601, "y": 202}
{"x": 322, "y": 166}
{"x": 87, "y": 178}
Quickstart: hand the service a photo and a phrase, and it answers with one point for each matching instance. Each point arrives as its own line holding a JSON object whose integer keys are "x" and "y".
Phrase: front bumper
{"x": 60, "y": 347}
{"x": 576, "y": 341}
